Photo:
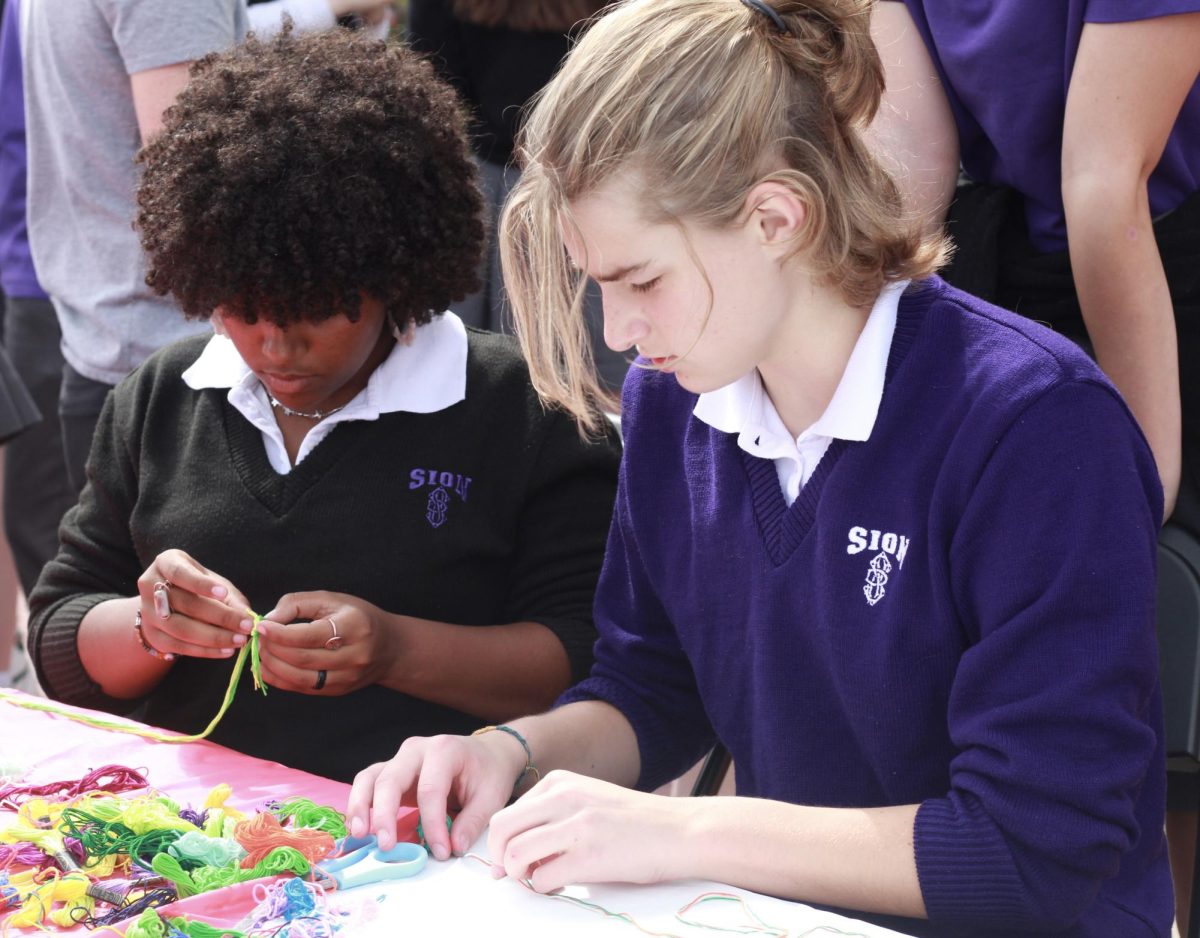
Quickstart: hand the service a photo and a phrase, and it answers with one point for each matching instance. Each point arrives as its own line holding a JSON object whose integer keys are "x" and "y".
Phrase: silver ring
{"x": 334, "y": 642}
{"x": 162, "y": 599}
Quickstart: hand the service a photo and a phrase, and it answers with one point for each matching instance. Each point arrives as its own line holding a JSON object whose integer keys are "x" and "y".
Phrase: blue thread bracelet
{"x": 529, "y": 766}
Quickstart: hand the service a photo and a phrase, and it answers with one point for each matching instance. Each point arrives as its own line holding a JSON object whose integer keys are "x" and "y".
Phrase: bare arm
{"x": 585, "y": 825}
{"x": 155, "y": 90}
{"x": 1127, "y": 87}
{"x": 913, "y": 134}
{"x": 111, "y": 654}
{"x": 495, "y": 672}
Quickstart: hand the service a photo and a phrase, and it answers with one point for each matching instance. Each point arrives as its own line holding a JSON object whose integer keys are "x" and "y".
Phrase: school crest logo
{"x": 887, "y": 545}
{"x": 877, "y": 577}
{"x": 435, "y": 511}
{"x": 437, "y": 505}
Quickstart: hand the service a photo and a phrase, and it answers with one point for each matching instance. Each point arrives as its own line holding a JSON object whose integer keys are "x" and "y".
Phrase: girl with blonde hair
{"x": 892, "y": 546}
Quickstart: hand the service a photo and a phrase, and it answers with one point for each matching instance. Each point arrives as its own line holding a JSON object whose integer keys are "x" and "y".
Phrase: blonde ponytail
{"x": 703, "y": 100}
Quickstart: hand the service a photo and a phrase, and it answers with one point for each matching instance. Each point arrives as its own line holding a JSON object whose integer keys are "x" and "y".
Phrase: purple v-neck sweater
{"x": 957, "y": 612}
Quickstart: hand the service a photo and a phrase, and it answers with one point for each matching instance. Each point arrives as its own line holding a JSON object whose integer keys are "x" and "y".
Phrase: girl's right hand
{"x": 475, "y": 774}
{"x": 207, "y": 617}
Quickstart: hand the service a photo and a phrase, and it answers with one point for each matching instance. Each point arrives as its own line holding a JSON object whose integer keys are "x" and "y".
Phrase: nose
{"x": 280, "y": 347}
{"x": 624, "y": 326}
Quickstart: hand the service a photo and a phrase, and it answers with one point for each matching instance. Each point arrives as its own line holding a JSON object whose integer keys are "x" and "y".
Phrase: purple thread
{"x": 151, "y": 900}
{"x": 194, "y": 817}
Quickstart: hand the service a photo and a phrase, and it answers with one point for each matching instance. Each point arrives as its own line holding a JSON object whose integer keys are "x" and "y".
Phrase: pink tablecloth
{"x": 52, "y": 748}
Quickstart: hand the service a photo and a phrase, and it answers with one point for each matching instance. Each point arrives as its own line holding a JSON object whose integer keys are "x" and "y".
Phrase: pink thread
{"x": 111, "y": 778}
{"x": 20, "y": 855}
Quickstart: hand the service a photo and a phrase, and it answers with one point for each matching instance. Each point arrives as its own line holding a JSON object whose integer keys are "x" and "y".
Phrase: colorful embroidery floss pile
{"x": 292, "y": 909}
{"x": 97, "y": 858}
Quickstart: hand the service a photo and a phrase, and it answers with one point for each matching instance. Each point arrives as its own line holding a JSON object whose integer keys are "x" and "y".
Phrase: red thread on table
{"x": 263, "y": 833}
{"x": 110, "y": 778}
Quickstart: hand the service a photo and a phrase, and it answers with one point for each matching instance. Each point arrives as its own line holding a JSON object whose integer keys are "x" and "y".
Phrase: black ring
{"x": 768, "y": 12}
{"x": 321, "y": 675}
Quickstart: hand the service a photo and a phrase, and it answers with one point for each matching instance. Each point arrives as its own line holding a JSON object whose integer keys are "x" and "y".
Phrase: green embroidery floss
{"x": 151, "y": 925}
{"x": 102, "y": 838}
{"x": 305, "y": 813}
{"x": 146, "y": 925}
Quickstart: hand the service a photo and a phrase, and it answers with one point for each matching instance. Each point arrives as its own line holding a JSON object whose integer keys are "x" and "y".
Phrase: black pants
{"x": 36, "y": 488}
{"x": 80, "y": 401}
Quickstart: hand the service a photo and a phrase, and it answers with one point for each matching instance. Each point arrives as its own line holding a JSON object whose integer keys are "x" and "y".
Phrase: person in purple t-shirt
{"x": 889, "y": 544}
{"x": 1088, "y": 115}
{"x": 1078, "y": 126}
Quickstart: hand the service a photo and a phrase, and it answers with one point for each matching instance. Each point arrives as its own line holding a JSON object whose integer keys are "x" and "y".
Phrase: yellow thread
{"x": 154, "y": 734}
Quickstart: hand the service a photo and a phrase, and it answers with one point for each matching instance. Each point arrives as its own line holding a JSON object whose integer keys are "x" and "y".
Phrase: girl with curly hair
{"x": 423, "y": 536}
{"x": 893, "y": 547}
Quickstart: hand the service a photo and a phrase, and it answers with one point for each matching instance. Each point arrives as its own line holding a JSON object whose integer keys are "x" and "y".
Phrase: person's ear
{"x": 778, "y": 215}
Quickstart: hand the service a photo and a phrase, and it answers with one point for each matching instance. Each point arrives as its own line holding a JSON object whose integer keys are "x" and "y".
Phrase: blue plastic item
{"x": 362, "y": 862}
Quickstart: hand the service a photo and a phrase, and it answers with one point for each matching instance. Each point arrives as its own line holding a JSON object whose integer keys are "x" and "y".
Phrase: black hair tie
{"x": 769, "y": 13}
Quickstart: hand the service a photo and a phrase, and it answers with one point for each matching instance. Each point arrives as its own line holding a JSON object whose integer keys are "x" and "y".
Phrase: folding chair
{"x": 1179, "y": 669}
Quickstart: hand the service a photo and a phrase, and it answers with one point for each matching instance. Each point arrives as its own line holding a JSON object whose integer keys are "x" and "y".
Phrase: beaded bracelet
{"x": 150, "y": 649}
{"x": 529, "y": 766}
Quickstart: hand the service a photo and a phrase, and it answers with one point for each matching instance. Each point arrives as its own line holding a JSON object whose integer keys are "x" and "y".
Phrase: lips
{"x": 662, "y": 362}
{"x": 286, "y": 384}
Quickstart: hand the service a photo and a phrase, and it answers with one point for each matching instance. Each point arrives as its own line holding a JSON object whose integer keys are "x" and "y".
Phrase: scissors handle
{"x": 349, "y": 858}
{"x": 375, "y": 865}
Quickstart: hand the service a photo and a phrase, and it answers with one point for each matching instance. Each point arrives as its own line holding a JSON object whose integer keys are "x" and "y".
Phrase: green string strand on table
{"x": 249, "y": 650}
{"x": 305, "y": 813}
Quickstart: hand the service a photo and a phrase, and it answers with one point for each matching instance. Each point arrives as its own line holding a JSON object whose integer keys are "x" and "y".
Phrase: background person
{"x": 498, "y": 54}
{"x": 424, "y": 537}
{"x": 891, "y": 545}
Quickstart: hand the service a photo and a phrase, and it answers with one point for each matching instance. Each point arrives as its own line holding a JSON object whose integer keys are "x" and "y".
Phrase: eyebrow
{"x": 620, "y": 273}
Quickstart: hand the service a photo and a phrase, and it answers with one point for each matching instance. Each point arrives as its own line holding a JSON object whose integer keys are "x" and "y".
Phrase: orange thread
{"x": 263, "y": 833}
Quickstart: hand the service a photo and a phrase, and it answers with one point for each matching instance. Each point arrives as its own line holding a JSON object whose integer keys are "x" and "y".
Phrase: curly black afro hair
{"x": 295, "y": 174}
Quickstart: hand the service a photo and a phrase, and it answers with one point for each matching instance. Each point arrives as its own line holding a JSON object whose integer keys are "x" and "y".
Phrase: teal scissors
{"x": 361, "y": 862}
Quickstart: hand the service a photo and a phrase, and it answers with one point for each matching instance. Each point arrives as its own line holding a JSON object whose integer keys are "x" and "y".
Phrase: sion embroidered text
{"x": 454, "y": 481}
{"x": 861, "y": 539}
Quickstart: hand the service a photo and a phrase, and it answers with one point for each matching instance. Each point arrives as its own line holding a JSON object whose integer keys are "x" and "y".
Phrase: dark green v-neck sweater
{"x": 487, "y": 512}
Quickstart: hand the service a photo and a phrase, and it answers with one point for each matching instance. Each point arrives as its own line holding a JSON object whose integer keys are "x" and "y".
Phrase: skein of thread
{"x": 263, "y": 833}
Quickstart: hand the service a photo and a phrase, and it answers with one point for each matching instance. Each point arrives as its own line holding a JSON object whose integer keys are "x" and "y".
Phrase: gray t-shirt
{"x": 82, "y": 136}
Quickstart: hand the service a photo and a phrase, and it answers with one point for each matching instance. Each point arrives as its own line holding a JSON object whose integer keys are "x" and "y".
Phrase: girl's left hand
{"x": 326, "y": 643}
{"x": 573, "y": 829}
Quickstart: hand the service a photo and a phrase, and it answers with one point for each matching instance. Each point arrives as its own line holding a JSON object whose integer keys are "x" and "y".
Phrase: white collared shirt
{"x": 427, "y": 376}
{"x": 745, "y": 408}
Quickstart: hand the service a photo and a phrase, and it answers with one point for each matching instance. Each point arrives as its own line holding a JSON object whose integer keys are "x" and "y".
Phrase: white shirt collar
{"x": 427, "y": 376}
{"x": 743, "y": 407}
